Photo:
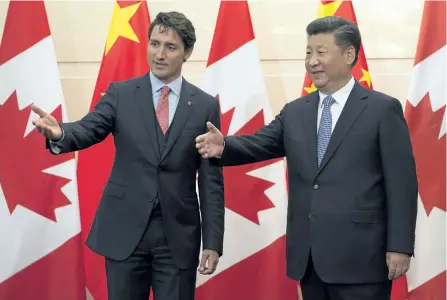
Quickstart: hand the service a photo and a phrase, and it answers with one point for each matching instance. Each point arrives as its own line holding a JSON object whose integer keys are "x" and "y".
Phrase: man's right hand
{"x": 47, "y": 125}
{"x": 211, "y": 143}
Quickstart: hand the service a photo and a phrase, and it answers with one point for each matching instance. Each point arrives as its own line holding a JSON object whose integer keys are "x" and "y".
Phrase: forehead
{"x": 326, "y": 40}
{"x": 167, "y": 35}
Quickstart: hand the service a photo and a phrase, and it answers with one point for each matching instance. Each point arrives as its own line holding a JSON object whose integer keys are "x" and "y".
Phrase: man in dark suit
{"x": 148, "y": 224}
{"x": 352, "y": 180}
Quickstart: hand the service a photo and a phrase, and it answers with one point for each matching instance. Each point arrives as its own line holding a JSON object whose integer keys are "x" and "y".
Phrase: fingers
{"x": 202, "y": 146}
{"x": 212, "y": 264}
{"x": 211, "y": 127}
{"x": 398, "y": 265}
{"x": 201, "y": 138}
{"x": 43, "y": 128}
{"x": 202, "y": 266}
{"x": 208, "y": 264}
{"x": 38, "y": 111}
{"x": 391, "y": 270}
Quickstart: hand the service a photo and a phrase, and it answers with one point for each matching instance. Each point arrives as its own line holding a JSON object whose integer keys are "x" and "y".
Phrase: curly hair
{"x": 179, "y": 23}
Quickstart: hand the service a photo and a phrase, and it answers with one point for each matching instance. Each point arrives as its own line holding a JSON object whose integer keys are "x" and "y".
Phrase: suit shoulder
{"x": 202, "y": 95}
{"x": 302, "y": 100}
{"x": 381, "y": 99}
{"x": 128, "y": 83}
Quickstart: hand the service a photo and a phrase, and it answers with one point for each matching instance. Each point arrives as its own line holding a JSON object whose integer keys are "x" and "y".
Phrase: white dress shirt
{"x": 173, "y": 96}
{"x": 340, "y": 97}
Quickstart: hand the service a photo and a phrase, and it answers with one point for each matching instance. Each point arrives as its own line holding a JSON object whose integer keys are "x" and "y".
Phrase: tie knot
{"x": 165, "y": 90}
{"x": 328, "y": 101}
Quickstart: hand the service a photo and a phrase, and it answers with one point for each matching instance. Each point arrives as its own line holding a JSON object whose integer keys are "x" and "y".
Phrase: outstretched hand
{"x": 210, "y": 144}
{"x": 46, "y": 124}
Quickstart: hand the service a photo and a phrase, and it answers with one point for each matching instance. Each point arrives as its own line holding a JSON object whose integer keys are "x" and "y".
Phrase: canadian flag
{"x": 426, "y": 117}
{"x": 253, "y": 262}
{"x": 41, "y": 254}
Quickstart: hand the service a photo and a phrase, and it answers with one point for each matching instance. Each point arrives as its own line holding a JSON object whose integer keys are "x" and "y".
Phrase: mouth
{"x": 159, "y": 65}
{"x": 317, "y": 72}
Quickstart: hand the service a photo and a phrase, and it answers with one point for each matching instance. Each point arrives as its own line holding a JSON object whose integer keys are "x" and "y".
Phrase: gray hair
{"x": 346, "y": 33}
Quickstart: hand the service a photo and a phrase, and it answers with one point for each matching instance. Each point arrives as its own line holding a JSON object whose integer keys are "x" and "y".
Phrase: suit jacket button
{"x": 316, "y": 187}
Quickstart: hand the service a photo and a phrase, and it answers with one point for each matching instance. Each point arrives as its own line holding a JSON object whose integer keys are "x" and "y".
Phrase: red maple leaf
{"x": 23, "y": 160}
{"x": 244, "y": 194}
{"x": 429, "y": 151}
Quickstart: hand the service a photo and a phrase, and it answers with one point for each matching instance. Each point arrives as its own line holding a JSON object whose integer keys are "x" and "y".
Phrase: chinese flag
{"x": 124, "y": 58}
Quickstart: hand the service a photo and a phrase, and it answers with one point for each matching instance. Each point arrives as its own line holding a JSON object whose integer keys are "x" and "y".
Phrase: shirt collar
{"x": 157, "y": 84}
{"x": 340, "y": 96}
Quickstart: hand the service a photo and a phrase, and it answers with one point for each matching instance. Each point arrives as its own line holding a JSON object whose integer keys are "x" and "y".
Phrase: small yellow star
{"x": 366, "y": 77}
{"x": 310, "y": 89}
{"x": 329, "y": 9}
{"x": 120, "y": 25}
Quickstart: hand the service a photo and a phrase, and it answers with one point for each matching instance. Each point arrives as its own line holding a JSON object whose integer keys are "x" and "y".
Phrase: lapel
{"x": 309, "y": 121}
{"x": 354, "y": 106}
{"x": 184, "y": 109}
{"x": 147, "y": 112}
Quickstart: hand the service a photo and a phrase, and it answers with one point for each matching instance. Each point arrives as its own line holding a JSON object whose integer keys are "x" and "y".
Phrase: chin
{"x": 319, "y": 84}
{"x": 158, "y": 74}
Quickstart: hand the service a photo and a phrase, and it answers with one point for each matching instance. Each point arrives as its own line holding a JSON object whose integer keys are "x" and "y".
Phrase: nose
{"x": 160, "y": 54}
{"x": 314, "y": 61}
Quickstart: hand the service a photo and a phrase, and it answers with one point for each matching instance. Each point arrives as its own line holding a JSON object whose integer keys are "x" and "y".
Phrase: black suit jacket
{"x": 362, "y": 200}
{"x": 140, "y": 171}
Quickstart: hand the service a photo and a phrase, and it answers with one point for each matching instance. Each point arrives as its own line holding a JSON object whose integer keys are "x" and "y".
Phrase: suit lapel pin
{"x": 189, "y": 102}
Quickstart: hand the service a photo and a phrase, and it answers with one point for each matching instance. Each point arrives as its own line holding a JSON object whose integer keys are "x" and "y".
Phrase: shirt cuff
{"x": 53, "y": 144}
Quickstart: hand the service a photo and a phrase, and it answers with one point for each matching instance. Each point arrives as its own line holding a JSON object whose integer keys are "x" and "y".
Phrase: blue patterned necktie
{"x": 325, "y": 128}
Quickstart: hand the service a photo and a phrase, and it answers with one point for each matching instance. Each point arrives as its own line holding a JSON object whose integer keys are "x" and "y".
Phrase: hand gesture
{"x": 47, "y": 125}
{"x": 210, "y": 144}
{"x": 209, "y": 261}
{"x": 398, "y": 264}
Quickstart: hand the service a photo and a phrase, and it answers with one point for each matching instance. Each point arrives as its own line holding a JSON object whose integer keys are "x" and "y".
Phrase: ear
{"x": 350, "y": 55}
{"x": 187, "y": 54}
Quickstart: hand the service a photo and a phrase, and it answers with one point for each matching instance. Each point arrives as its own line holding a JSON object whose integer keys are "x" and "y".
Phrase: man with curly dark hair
{"x": 149, "y": 223}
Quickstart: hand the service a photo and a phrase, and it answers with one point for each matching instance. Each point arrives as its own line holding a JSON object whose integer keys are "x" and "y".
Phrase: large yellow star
{"x": 120, "y": 25}
{"x": 329, "y": 9}
{"x": 310, "y": 89}
{"x": 366, "y": 77}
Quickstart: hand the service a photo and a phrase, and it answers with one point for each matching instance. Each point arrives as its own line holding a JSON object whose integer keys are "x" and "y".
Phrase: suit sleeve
{"x": 401, "y": 186}
{"x": 266, "y": 143}
{"x": 91, "y": 129}
{"x": 211, "y": 195}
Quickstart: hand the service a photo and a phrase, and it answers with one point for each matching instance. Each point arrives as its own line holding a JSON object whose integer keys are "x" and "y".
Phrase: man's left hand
{"x": 398, "y": 264}
{"x": 209, "y": 261}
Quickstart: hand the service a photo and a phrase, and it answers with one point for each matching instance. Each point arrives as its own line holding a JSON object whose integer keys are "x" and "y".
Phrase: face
{"x": 166, "y": 54}
{"x": 328, "y": 65}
